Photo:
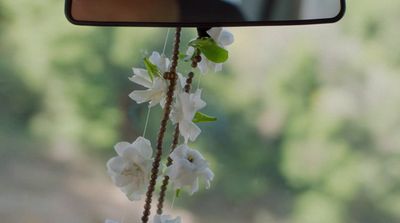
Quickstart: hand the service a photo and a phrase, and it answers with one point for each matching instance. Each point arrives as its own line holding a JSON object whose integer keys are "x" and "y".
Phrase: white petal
{"x": 131, "y": 154}
{"x": 120, "y": 147}
{"x": 133, "y": 194}
{"x": 143, "y": 146}
{"x": 190, "y": 51}
{"x": 182, "y": 80}
{"x": 186, "y": 178}
{"x": 176, "y": 220}
{"x": 159, "y": 90}
{"x": 160, "y": 61}
{"x": 208, "y": 174}
{"x": 162, "y": 102}
{"x": 172, "y": 172}
{"x": 198, "y": 160}
{"x": 185, "y": 105}
{"x": 217, "y": 67}
{"x": 179, "y": 152}
{"x": 189, "y": 130}
{"x": 215, "y": 33}
{"x": 165, "y": 64}
{"x": 176, "y": 113}
{"x": 198, "y": 103}
{"x": 195, "y": 186}
{"x": 190, "y": 104}
{"x": 206, "y": 66}
{"x": 226, "y": 38}
{"x": 208, "y": 177}
{"x": 141, "y": 96}
{"x": 134, "y": 197}
{"x": 116, "y": 164}
{"x": 208, "y": 184}
{"x": 166, "y": 219}
{"x": 121, "y": 180}
{"x": 181, "y": 174}
{"x": 141, "y": 77}
{"x": 160, "y": 85}
{"x": 203, "y": 65}
{"x": 155, "y": 58}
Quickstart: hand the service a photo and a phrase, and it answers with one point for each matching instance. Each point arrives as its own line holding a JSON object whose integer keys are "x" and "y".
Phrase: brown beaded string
{"x": 196, "y": 59}
{"x": 172, "y": 77}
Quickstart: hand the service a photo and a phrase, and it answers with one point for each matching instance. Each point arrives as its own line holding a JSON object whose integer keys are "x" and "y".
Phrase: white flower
{"x": 130, "y": 170}
{"x": 161, "y": 61}
{"x": 157, "y": 88}
{"x": 183, "y": 112}
{"x": 187, "y": 166}
{"x": 223, "y": 38}
{"x": 166, "y": 219}
{"x": 111, "y": 221}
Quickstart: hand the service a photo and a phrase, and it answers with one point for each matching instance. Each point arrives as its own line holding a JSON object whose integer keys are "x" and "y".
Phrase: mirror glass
{"x": 233, "y": 12}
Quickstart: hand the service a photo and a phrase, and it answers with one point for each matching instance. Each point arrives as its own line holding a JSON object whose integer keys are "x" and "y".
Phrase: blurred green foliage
{"x": 311, "y": 136}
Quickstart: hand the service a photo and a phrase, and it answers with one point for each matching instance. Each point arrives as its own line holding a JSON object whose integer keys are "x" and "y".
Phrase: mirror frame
{"x": 68, "y": 6}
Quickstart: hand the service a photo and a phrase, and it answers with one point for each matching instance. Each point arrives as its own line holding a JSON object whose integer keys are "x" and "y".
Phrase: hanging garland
{"x": 134, "y": 170}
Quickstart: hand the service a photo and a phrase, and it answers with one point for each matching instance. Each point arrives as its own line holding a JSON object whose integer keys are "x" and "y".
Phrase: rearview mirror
{"x": 203, "y": 13}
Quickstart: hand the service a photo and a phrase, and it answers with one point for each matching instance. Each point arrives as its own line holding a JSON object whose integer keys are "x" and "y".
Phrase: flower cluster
{"x": 223, "y": 38}
{"x": 131, "y": 169}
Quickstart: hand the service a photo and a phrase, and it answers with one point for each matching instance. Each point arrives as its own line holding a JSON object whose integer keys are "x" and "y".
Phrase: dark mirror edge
{"x": 340, "y": 15}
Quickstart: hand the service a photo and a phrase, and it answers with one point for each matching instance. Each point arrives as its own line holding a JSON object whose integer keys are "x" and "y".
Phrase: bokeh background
{"x": 308, "y": 126}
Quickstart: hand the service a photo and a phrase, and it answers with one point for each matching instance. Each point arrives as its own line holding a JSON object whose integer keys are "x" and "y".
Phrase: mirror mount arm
{"x": 202, "y": 31}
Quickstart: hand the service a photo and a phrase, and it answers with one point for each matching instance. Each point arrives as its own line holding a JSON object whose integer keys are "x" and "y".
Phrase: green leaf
{"x": 178, "y": 193}
{"x": 152, "y": 69}
{"x": 210, "y": 49}
{"x": 182, "y": 56}
{"x": 201, "y": 117}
